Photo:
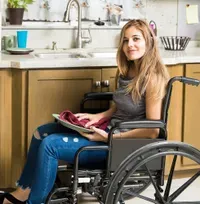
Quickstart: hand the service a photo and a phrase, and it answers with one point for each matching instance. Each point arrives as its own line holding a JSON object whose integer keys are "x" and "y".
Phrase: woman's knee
{"x": 44, "y": 130}
{"x": 39, "y": 135}
{"x": 49, "y": 144}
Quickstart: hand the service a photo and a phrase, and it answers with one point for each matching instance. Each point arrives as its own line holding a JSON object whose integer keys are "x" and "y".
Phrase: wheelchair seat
{"x": 132, "y": 164}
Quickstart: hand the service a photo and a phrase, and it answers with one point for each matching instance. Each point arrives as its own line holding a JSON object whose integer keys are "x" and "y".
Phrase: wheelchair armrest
{"x": 98, "y": 96}
{"x": 140, "y": 124}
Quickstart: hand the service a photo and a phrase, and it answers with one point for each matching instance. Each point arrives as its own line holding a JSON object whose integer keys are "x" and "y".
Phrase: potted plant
{"x": 16, "y": 10}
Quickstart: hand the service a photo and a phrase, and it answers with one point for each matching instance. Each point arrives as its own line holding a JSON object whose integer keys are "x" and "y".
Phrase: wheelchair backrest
{"x": 121, "y": 148}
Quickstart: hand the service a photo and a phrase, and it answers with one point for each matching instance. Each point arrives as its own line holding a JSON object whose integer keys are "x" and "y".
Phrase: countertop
{"x": 31, "y": 61}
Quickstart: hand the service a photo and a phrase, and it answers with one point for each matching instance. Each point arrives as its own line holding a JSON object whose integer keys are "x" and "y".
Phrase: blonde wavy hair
{"x": 150, "y": 67}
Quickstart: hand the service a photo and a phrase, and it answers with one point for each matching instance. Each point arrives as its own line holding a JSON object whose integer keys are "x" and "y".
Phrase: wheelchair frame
{"x": 110, "y": 185}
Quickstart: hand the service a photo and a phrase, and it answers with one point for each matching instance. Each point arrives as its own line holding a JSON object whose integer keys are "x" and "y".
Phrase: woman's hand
{"x": 93, "y": 118}
{"x": 98, "y": 135}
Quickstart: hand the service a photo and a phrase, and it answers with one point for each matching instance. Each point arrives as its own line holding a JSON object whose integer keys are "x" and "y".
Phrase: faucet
{"x": 54, "y": 46}
{"x": 80, "y": 39}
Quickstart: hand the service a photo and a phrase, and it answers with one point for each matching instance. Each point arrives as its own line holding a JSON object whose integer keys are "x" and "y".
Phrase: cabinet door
{"x": 191, "y": 131}
{"x": 52, "y": 91}
{"x": 176, "y": 105}
{"x": 5, "y": 128}
{"x": 175, "y": 113}
{"x": 108, "y": 79}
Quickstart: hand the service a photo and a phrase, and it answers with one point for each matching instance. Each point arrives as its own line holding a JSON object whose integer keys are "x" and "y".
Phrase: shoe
{"x": 10, "y": 198}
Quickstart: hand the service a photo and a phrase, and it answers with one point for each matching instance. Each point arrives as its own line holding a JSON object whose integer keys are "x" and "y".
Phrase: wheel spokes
{"x": 143, "y": 197}
{"x": 169, "y": 181}
{"x": 183, "y": 187}
{"x": 150, "y": 160}
{"x": 158, "y": 194}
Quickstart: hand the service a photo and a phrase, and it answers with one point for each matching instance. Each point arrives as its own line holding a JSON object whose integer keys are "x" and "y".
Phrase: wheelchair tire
{"x": 141, "y": 159}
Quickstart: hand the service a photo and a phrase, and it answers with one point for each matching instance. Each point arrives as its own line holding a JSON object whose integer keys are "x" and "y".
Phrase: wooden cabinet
{"x": 19, "y": 121}
{"x": 175, "y": 113}
{"x": 52, "y": 91}
{"x": 5, "y": 127}
{"x": 176, "y": 106}
{"x": 39, "y": 93}
{"x": 183, "y": 122}
{"x": 191, "y": 131}
{"x": 36, "y": 94}
{"x": 108, "y": 75}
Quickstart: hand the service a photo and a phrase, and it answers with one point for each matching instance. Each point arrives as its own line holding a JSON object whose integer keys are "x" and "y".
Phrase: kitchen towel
{"x": 71, "y": 118}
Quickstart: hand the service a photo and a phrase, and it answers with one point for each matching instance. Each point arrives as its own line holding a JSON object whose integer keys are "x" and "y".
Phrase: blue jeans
{"x": 50, "y": 143}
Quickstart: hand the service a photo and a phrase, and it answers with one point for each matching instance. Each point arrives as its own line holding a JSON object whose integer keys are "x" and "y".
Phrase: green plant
{"x": 19, "y": 3}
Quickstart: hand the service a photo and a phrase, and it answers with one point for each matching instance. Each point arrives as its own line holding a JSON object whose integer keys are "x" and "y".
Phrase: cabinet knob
{"x": 106, "y": 83}
{"x": 97, "y": 83}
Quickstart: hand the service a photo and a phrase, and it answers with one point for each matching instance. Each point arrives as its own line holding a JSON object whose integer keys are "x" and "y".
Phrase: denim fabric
{"x": 51, "y": 143}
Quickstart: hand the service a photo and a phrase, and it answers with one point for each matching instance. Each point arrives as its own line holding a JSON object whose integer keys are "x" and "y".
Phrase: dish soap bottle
{"x": 153, "y": 26}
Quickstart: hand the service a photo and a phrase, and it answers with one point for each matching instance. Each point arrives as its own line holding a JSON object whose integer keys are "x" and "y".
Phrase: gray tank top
{"x": 126, "y": 108}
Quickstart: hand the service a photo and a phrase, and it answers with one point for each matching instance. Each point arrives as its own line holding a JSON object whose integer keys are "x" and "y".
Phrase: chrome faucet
{"x": 54, "y": 46}
{"x": 80, "y": 39}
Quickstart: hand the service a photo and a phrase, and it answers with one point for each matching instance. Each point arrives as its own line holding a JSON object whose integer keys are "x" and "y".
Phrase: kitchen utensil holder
{"x": 175, "y": 42}
{"x": 115, "y": 19}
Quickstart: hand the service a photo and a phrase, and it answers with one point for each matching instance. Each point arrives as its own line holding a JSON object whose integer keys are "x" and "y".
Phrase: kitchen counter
{"x": 190, "y": 55}
{"x": 4, "y": 63}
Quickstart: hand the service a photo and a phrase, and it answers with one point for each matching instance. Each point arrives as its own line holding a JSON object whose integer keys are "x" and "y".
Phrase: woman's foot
{"x": 20, "y": 196}
{"x": 7, "y": 198}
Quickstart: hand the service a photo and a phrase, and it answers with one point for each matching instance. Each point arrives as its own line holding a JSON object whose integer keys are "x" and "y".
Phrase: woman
{"x": 141, "y": 78}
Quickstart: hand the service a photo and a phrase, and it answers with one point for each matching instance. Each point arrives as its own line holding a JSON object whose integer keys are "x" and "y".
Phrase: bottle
{"x": 153, "y": 26}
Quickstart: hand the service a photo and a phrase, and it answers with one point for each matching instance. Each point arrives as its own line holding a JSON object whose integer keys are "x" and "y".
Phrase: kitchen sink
{"x": 61, "y": 55}
{"x": 80, "y": 55}
{"x": 103, "y": 54}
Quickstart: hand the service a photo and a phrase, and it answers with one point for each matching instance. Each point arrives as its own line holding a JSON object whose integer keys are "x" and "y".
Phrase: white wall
{"x": 1, "y": 3}
{"x": 65, "y": 38}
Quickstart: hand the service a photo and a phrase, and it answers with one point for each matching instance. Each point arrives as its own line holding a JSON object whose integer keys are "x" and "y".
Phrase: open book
{"x": 70, "y": 125}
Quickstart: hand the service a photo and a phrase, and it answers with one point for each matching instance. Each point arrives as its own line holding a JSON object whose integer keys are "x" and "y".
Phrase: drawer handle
{"x": 97, "y": 83}
{"x": 106, "y": 83}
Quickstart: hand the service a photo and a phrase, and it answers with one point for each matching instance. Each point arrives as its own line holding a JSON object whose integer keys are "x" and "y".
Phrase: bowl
{"x": 175, "y": 42}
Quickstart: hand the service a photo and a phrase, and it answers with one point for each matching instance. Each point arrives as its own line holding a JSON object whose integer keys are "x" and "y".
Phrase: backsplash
{"x": 38, "y": 37}
{"x": 41, "y": 35}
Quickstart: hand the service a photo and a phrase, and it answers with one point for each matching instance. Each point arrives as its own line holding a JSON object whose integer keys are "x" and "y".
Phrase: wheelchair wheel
{"x": 165, "y": 191}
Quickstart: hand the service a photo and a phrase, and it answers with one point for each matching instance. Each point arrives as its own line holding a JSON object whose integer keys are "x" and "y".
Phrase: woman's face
{"x": 134, "y": 45}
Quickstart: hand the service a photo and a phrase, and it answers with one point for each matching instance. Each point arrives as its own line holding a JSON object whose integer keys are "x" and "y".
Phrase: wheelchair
{"x": 132, "y": 164}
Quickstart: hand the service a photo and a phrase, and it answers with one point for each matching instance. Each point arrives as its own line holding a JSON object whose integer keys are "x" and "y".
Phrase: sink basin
{"x": 60, "y": 55}
{"x": 80, "y": 55}
{"x": 103, "y": 54}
